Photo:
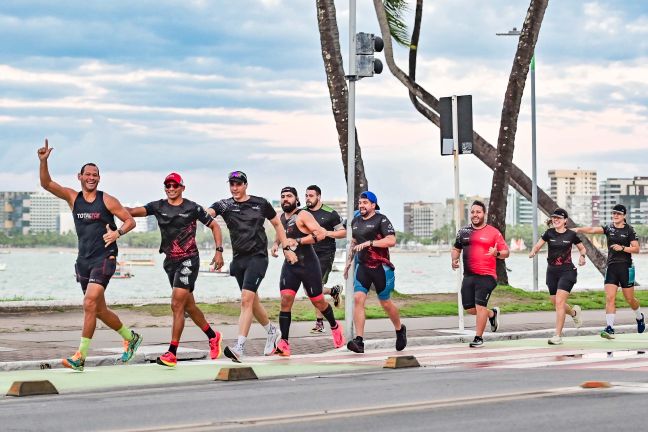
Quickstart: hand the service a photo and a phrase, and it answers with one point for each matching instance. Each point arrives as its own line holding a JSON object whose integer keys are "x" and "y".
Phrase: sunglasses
{"x": 236, "y": 174}
{"x": 172, "y": 186}
{"x": 617, "y": 213}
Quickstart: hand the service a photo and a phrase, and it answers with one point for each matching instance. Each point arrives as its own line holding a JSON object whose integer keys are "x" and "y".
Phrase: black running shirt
{"x": 621, "y": 236}
{"x": 303, "y": 251}
{"x": 375, "y": 228}
{"x": 90, "y": 220}
{"x": 330, "y": 220}
{"x": 559, "y": 256}
{"x": 245, "y": 223}
{"x": 178, "y": 226}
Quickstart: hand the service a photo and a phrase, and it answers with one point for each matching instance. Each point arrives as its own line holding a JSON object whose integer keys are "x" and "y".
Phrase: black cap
{"x": 293, "y": 191}
{"x": 620, "y": 208}
{"x": 237, "y": 176}
{"x": 560, "y": 213}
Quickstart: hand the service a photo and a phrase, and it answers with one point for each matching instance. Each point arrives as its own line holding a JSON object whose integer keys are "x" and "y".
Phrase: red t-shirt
{"x": 475, "y": 244}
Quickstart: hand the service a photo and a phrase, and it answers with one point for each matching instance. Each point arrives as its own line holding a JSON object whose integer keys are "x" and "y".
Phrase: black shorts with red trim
{"x": 307, "y": 273}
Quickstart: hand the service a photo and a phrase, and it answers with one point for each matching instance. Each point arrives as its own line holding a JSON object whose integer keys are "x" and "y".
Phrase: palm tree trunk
{"x": 482, "y": 149}
{"x": 338, "y": 90}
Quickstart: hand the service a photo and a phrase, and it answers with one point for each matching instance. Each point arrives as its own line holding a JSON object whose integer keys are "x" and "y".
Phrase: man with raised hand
{"x": 177, "y": 217}
{"x": 94, "y": 214}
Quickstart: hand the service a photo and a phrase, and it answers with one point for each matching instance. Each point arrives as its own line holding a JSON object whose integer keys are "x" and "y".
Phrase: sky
{"x": 206, "y": 87}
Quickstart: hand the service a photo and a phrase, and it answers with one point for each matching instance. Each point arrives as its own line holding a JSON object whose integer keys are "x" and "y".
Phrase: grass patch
{"x": 508, "y": 298}
{"x": 22, "y": 298}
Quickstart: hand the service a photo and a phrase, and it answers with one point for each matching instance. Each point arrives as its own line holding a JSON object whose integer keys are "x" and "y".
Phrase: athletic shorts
{"x": 182, "y": 273}
{"x": 88, "y": 272}
{"x": 620, "y": 274}
{"x": 249, "y": 270}
{"x": 381, "y": 278}
{"x": 326, "y": 264}
{"x": 560, "y": 279}
{"x": 306, "y": 273}
{"x": 476, "y": 290}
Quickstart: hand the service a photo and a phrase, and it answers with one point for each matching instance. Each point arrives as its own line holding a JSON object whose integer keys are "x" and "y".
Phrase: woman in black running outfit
{"x": 561, "y": 273}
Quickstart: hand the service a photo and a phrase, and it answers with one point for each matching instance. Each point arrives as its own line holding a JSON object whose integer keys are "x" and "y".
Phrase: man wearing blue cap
{"x": 373, "y": 235}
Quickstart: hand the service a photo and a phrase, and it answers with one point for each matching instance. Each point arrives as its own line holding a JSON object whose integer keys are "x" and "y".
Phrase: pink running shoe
{"x": 283, "y": 348}
{"x": 215, "y": 346}
{"x": 338, "y": 336}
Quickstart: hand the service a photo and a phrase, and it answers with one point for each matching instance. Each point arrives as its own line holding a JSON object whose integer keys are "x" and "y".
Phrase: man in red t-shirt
{"x": 481, "y": 244}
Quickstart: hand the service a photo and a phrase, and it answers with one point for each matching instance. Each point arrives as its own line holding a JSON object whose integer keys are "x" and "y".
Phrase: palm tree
{"x": 428, "y": 106}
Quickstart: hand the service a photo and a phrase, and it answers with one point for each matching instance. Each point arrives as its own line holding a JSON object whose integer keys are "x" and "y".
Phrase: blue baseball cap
{"x": 371, "y": 197}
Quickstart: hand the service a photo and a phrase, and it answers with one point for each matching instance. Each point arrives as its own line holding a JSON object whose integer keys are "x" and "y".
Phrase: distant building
{"x": 631, "y": 192}
{"x": 14, "y": 212}
{"x": 568, "y": 183}
{"x": 423, "y": 218}
{"x": 45, "y": 211}
{"x": 519, "y": 210}
{"x": 465, "y": 203}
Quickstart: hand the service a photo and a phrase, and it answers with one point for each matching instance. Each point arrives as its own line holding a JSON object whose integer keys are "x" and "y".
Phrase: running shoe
{"x": 494, "y": 322}
{"x": 215, "y": 346}
{"x": 283, "y": 348}
{"x": 555, "y": 340}
{"x": 167, "y": 359}
{"x": 607, "y": 333}
{"x": 477, "y": 342}
{"x": 641, "y": 324}
{"x": 356, "y": 345}
{"x": 335, "y": 294}
{"x": 235, "y": 354}
{"x": 319, "y": 327}
{"x": 75, "y": 362}
{"x": 578, "y": 316}
{"x": 130, "y": 347}
{"x": 338, "y": 336}
{"x": 274, "y": 334}
{"x": 401, "y": 338}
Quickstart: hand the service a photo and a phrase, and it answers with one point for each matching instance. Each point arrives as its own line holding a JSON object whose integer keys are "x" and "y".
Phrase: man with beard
{"x": 94, "y": 219}
{"x": 245, "y": 216}
{"x": 481, "y": 244}
{"x": 373, "y": 235}
{"x": 302, "y": 231}
{"x": 331, "y": 221}
{"x": 177, "y": 218}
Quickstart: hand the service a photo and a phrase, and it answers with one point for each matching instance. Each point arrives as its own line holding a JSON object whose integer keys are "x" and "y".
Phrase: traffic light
{"x": 366, "y": 45}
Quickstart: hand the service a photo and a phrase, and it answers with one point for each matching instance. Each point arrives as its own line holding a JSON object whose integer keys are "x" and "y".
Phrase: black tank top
{"x": 303, "y": 252}
{"x": 90, "y": 219}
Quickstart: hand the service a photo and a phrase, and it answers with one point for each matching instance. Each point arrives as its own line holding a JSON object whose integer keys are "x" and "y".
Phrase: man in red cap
{"x": 177, "y": 218}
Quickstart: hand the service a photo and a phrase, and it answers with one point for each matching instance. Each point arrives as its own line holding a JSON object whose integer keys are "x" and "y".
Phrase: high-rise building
{"x": 45, "y": 210}
{"x": 519, "y": 210}
{"x": 631, "y": 192}
{"x": 423, "y": 218}
{"x": 14, "y": 212}
{"x": 465, "y": 203}
{"x": 566, "y": 183}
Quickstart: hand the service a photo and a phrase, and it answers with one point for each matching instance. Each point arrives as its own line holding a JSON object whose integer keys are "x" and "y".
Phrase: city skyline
{"x": 182, "y": 86}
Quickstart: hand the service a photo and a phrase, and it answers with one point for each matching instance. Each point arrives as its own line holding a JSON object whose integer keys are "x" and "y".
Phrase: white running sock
{"x": 241, "y": 341}
{"x": 267, "y": 327}
{"x": 609, "y": 319}
{"x": 638, "y": 313}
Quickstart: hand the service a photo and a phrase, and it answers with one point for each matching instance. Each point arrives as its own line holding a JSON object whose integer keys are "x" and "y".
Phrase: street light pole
{"x": 348, "y": 289}
{"x": 534, "y": 171}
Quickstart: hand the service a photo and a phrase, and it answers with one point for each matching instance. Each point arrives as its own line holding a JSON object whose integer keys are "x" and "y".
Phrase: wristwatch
{"x": 497, "y": 254}
{"x": 219, "y": 248}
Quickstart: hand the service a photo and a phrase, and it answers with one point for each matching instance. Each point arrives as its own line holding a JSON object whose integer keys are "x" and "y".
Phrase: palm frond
{"x": 395, "y": 11}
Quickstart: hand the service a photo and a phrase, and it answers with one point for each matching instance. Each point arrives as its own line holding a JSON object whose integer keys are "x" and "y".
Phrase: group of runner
{"x": 306, "y": 237}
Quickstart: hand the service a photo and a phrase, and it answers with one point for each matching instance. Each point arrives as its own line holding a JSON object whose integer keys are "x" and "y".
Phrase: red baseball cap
{"x": 174, "y": 177}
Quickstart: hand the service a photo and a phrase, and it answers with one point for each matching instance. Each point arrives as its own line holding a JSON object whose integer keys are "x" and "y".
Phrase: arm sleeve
{"x": 457, "y": 243}
{"x": 150, "y": 208}
{"x": 386, "y": 227}
{"x": 545, "y": 236}
{"x": 500, "y": 243}
{"x": 203, "y": 216}
{"x": 268, "y": 211}
{"x": 606, "y": 229}
{"x": 218, "y": 207}
{"x": 576, "y": 240}
{"x": 338, "y": 224}
{"x": 632, "y": 235}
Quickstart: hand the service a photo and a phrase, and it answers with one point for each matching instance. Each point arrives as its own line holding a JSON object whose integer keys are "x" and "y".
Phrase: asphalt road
{"x": 422, "y": 399}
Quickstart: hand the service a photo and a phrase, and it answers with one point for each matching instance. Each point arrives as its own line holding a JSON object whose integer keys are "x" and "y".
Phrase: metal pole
{"x": 457, "y": 210}
{"x": 534, "y": 174}
{"x": 348, "y": 289}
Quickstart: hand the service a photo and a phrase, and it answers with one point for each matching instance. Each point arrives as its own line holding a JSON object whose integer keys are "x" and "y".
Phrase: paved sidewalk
{"x": 28, "y": 349}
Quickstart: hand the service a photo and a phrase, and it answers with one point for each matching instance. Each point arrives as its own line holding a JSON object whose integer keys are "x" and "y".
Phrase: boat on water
{"x": 339, "y": 261}
{"x": 207, "y": 269}
{"x": 139, "y": 259}
{"x": 123, "y": 271}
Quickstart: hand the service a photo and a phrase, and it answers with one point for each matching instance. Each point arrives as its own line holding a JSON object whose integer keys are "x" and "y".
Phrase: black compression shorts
{"x": 476, "y": 290}
{"x": 249, "y": 270}
{"x": 94, "y": 272}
